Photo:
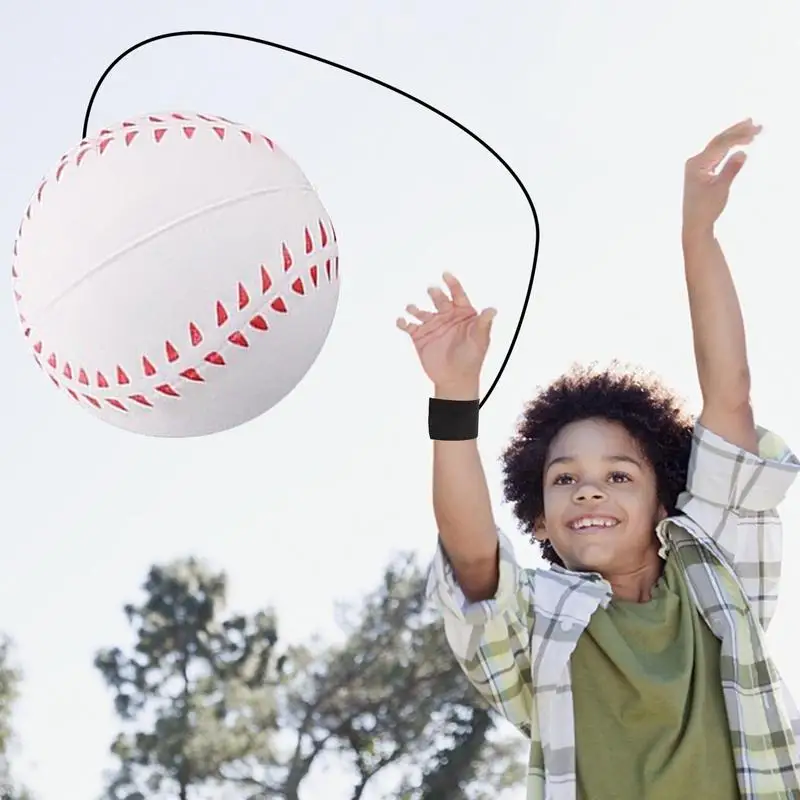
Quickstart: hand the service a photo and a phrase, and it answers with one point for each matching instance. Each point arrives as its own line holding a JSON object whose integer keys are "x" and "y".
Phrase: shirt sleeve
{"x": 491, "y": 639}
{"x": 733, "y": 495}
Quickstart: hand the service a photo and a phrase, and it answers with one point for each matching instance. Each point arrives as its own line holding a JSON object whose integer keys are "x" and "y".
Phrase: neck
{"x": 636, "y": 585}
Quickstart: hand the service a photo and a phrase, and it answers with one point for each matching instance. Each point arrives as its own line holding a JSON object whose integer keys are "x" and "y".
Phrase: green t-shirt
{"x": 650, "y": 720}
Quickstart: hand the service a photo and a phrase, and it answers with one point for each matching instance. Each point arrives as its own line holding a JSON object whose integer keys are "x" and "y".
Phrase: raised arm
{"x": 738, "y": 472}
{"x": 451, "y": 344}
{"x": 717, "y": 325}
{"x": 485, "y": 598}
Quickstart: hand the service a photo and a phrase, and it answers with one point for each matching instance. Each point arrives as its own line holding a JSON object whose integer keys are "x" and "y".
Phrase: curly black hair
{"x": 634, "y": 398}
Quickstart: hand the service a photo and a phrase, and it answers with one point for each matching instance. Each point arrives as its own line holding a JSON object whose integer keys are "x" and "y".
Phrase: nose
{"x": 588, "y": 492}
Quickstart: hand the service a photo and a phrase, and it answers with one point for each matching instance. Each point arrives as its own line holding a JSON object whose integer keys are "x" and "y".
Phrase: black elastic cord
{"x": 378, "y": 82}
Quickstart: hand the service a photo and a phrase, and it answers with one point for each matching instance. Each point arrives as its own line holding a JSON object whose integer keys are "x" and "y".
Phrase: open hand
{"x": 452, "y": 341}
{"x": 705, "y": 194}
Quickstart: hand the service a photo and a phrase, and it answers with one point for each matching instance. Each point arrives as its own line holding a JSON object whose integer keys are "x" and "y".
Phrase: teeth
{"x": 593, "y": 522}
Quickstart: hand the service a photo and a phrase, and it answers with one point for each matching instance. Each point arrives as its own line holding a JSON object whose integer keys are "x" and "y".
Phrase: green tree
{"x": 393, "y": 696}
{"x": 218, "y": 712}
{"x": 10, "y": 679}
{"x": 196, "y": 692}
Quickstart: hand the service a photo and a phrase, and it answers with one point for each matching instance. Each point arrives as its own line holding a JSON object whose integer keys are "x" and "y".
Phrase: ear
{"x": 540, "y": 530}
{"x": 661, "y": 514}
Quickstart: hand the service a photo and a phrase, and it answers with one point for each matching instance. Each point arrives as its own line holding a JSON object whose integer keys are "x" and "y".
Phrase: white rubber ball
{"x": 177, "y": 275}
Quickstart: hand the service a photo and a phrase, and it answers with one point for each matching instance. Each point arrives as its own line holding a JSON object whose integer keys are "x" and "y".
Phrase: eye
{"x": 562, "y": 480}
{"x": 620, "y": 477}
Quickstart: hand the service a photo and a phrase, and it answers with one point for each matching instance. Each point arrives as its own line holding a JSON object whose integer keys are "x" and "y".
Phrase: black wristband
{"x": 453, "y": 420}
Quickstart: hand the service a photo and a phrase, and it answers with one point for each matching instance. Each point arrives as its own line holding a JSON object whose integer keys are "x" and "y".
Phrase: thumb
{"x": 485, "y": 319}
{"x": 732, "y": 168}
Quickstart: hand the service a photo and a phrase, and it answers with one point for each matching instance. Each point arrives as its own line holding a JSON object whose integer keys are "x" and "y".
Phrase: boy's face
{"x": 600, "y": 499}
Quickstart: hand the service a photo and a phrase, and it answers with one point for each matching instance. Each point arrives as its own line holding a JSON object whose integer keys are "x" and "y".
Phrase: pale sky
{"x": 595, "y": 109}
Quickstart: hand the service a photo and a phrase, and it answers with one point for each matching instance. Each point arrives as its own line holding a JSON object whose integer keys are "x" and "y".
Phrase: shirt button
{"x": 566, "y": 625}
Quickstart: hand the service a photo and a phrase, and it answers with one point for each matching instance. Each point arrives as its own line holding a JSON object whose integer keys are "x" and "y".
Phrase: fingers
{"x": 409, "y": 327}
{"x": 732, "y": 168}
{"x": 440, "y": 300}
{"x": 445, "y": 306}
{"x": 487, "y": 316}
{"x": 742, "y": 133}
{"x": 485, "y": 319}
{"x": 746, "y": 129}
{"x": 456, "y": 290}
{"x": 418, "y": 313}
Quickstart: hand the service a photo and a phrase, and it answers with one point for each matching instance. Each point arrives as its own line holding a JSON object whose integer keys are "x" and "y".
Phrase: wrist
{"x": 462, "y": 390}
{"x": 692, "y": 235}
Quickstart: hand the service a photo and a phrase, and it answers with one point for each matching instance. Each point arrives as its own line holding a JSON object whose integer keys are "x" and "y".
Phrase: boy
{"x": 636, "y": 665}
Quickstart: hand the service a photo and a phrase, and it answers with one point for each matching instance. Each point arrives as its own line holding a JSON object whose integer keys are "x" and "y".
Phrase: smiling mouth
{"x": 593, "y": 524}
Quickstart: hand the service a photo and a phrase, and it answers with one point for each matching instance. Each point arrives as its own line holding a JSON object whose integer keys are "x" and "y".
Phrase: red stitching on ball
{"x": 266, "y": 281}
{"x": 192, "y": 374}
{"x": 244, "y": 298}
{"x": 258, "y": 321}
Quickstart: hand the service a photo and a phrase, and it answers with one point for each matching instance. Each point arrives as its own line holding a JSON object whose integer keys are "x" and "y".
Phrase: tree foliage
{"x": 10, "y": 680}
{"x": 213, "y": 706}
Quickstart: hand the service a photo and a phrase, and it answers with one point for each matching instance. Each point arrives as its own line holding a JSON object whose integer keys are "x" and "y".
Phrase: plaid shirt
{"x": 516, "y": 648}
